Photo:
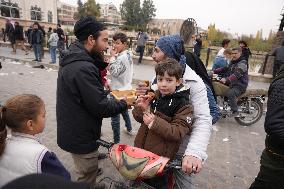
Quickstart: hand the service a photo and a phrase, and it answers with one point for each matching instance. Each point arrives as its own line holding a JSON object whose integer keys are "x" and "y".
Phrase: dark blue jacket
{"x": 236, "y": 73}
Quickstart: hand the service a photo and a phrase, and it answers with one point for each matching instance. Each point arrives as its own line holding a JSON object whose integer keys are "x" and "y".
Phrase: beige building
{"x": 28, "y": 11}
{"x": 110, "y": 14}
{"x": 65, "y": 13}
{"x": 35, "y": 10}
{"x": 165, "y": 26}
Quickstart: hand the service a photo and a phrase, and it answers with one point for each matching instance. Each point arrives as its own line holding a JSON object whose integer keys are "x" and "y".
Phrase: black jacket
{"x": 19, "y": 33}
{"x": 170, "y": 104}
{"x": 197, "y": 65}
{"x": 246, "y": 53}
{"x": 82, "y": 102}
{"x": 274, "y": 120}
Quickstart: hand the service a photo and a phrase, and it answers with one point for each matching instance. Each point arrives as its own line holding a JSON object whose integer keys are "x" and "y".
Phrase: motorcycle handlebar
{"x": 105, "y": 144}
{"x": 175, "y": 164}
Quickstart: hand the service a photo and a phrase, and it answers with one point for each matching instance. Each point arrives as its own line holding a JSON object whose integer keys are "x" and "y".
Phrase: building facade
{"x": 65, "y": 14}
{"x": 165, "y": 26}
{"x": 110, "y": 14}
{"x": 28, "y": 11}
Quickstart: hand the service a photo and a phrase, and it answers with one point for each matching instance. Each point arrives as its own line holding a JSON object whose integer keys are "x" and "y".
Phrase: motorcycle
{"x": 250, "y": 105}
{"x": 136, "y": 165}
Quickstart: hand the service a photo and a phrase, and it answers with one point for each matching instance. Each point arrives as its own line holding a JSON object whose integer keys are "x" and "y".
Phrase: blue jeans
{"x": 37, "y": 51}
{"x": 115, "y": 123}
{"x": 52, "y": 50}
{"x": 214, "y": 109}
{"x": 60, "y": 46}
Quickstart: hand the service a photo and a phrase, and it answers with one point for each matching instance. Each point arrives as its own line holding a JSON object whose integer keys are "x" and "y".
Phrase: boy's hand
{"x": 142, "y": 88}
{"x": 112, "y": 52}
{"x": 148, "y": 118}
{"x": 143, "y": 102}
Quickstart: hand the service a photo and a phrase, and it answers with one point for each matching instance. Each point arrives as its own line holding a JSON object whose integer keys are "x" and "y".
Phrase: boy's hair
{"x": 227, "y": 51}
{"x": 123, "y": 38}
{"x": 171, "y": 66}
{"x": 16, "y": 111}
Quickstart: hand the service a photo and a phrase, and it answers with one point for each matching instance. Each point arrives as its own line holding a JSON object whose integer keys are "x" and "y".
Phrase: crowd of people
{"x": 36, "y": 38}
{"x": 176, "y": 123}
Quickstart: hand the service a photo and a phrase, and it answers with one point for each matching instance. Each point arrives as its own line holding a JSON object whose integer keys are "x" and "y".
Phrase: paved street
{"x": 234, "y": 151}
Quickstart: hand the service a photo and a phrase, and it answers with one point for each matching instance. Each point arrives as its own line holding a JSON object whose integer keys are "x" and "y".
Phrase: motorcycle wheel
{"x": 247, "y": 118}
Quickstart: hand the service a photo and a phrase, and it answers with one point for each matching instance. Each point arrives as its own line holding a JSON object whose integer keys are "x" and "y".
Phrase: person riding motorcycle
{"x": 234, "y": 81}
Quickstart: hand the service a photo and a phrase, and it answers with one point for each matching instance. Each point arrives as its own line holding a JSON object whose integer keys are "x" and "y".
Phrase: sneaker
{"x": 35, "y": 60}
{"x": 131, "y": 133}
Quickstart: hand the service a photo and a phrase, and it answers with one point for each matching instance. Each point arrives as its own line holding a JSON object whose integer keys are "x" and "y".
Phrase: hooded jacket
{"x": 82, "y": 102}
{"x": 173, "y": 120}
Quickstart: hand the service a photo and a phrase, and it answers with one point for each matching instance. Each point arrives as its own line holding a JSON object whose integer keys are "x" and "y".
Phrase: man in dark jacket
{"x": 236, "y": 77}
{"x": 60, "y": 43}
{"x": 197, "y": 45}
{"x": 279, "y": 58}
{"x": 19, "y": 37}
{"x": 246, "y": 53}
{"x": 9, "y": 31}
{"x": 271, "y": 172}
{"x": 36, "y": 38}
{"x": 82, "y": 102}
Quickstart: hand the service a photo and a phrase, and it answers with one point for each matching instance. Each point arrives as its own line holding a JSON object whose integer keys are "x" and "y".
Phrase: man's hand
{"x": 142, "y": 88}
{"x": 223, "y": 80}
{"x": 191, "y": 164}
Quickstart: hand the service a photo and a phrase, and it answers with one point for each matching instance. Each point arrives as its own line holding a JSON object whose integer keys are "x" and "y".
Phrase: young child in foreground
{"x": 22, "y": 153}
{"x": 167, "y": 118}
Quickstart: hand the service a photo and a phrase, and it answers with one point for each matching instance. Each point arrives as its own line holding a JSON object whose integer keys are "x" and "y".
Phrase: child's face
{"x": 119, "y": 46}
{"x": 39, "y": 122}
{"x": 228, "y": 56}
{"x": 167, "y": 84}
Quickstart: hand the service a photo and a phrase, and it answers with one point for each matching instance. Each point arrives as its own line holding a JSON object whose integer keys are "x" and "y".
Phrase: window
{"x": 36, "y": 13}
{"x": 9, "y": 9}
{"x": 49, "y": 16}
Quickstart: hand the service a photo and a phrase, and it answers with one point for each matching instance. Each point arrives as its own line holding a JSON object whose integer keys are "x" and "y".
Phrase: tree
{"x": 92, "y": 8}
{"x": 148, "y": 11}
{"x": 136, "y": 16}
{"x": 80, "y": 10}
{"x": 130, "y": 12}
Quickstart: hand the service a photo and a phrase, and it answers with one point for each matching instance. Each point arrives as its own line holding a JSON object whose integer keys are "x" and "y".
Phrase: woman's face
{"x": 158, "y": 55}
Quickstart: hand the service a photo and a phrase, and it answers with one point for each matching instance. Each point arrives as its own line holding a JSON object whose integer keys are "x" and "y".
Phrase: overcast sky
{"x": 234, "y": 16}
